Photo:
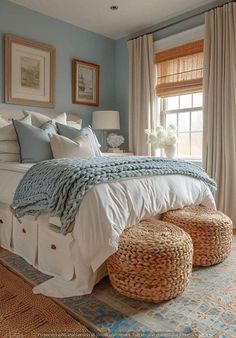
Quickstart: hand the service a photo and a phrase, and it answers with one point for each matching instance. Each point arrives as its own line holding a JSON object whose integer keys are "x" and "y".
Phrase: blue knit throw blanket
{"x": 57, "y": 187}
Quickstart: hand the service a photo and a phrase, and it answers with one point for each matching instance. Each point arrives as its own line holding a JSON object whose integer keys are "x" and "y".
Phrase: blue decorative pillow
{"x": 72, "y": 133}
{"x": 34, "y": 142}
{"x": 50, "y": 127}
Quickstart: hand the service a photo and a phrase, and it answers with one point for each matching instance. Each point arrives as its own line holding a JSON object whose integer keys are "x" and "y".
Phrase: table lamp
{"x": 104, "y": 120}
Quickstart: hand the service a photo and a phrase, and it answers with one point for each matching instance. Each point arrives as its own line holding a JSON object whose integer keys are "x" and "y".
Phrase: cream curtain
{"x": 141, "y": 92}
{"x": 219, "y": 139}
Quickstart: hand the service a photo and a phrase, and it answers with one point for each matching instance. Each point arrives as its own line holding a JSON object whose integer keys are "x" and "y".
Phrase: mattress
{"x": 10, "y": 175}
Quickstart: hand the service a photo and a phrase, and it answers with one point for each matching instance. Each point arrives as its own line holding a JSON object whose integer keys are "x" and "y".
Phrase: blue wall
{"x": 69, "y": 41}
{"x": 121, "y": 56}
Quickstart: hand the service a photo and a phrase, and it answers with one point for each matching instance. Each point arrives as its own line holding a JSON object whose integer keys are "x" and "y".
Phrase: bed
{"x": 76, "y": 261}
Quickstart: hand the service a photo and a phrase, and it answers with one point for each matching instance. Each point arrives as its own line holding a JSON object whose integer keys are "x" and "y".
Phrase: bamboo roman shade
{"x": 180, "y": 69}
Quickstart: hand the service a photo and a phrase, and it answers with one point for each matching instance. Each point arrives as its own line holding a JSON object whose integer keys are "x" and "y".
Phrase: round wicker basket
{"x": 210, "y": 230}
{"x": 153, "y": 262}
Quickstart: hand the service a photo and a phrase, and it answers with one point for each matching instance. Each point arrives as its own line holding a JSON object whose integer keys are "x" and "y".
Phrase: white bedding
{"x": 10, "y": 175}
{"x": 106, "y": 210}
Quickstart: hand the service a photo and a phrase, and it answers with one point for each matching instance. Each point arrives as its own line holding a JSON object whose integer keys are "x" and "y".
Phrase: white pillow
{"x": 7, "y": 133}
{"x": 63, "y": 147}
{"x": 9, "y": 158}
{"x": 10, "y": 147}
{"x": 77, "y": 124}
{"x": 39, "y": 119}
{"x": 3, "y": 122}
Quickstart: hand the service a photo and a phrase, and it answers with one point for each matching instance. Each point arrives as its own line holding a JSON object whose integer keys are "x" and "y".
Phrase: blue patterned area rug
{"x": 206, "y": 309}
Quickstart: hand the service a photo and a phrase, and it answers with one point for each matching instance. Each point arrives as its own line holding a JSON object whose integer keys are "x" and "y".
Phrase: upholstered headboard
{"x": 9, "y": 114}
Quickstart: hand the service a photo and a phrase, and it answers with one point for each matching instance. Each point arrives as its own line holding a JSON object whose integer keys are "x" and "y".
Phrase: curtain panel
{"x": 141, "y": 93}
{"x": 219, "y": 85}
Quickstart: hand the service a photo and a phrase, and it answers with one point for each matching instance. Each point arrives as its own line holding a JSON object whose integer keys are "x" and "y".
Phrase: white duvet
{"x": 10, "y": 175}
{"x": 109, "y": 208}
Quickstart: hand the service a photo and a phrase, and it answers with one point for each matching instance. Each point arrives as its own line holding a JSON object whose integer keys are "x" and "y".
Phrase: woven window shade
{"x": 180, "y": 70}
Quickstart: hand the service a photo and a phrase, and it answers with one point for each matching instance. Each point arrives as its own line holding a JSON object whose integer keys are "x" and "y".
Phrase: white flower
{"x": 161, "y": 134}
{"x": 171, "y": 140}
{"x": 161, "y": 137}
{"x": 159, "y": 128}
{"x": 152, "y": 139}
{"x": 171, "y": 127}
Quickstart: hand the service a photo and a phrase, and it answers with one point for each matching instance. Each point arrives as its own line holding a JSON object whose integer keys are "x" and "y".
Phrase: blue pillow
{"x": 72, "y": 133}
{"x": 34, "y": 142}
{"x": 50, "y": 127}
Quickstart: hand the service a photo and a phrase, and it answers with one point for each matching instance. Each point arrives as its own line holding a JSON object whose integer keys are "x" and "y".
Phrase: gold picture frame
{"x": 85, "y": 83}
{"x": 29, "y": 72}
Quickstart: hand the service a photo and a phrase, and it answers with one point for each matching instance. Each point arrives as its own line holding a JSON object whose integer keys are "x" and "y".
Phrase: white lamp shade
{"x": 106, "y": 120}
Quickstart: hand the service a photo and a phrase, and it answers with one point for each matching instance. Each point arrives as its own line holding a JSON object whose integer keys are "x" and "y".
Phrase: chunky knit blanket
{"x": 57, "y": 187}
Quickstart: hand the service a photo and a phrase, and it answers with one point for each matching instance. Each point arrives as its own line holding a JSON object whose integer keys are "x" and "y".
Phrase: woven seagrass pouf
{"x": 153, "y": 262}
{"x": 210, "y": 230}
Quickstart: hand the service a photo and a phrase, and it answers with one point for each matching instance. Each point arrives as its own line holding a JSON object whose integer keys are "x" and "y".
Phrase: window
{"x": 179, "y": 89}
{"x": 180, "y": 69}
{"x": 185, "y": 111}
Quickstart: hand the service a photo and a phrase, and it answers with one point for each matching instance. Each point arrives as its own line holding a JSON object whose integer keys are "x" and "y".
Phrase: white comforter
{"x": 105, "y": 212}
{"x": 10, "y": 175}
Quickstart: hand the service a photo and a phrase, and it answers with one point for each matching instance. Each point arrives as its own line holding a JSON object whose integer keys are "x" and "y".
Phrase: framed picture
{"x": 85, "y": 83}
{"x": 29, "y": 72}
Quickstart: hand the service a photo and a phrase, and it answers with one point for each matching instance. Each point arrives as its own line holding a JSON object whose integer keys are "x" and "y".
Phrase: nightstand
{"x": 118, "y": 154}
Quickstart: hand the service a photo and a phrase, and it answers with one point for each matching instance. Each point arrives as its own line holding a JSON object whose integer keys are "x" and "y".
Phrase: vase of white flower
{"x": 163, "y": 138}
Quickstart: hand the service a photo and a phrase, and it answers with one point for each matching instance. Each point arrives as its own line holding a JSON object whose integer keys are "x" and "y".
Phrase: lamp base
{"x": 104, "y": 141}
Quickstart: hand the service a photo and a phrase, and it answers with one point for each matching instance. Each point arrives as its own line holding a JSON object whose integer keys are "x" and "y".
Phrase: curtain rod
{"x": 181, "y": 20}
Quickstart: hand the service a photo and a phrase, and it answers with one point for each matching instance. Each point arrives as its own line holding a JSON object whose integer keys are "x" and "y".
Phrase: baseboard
{"x": 234, "y": 231}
